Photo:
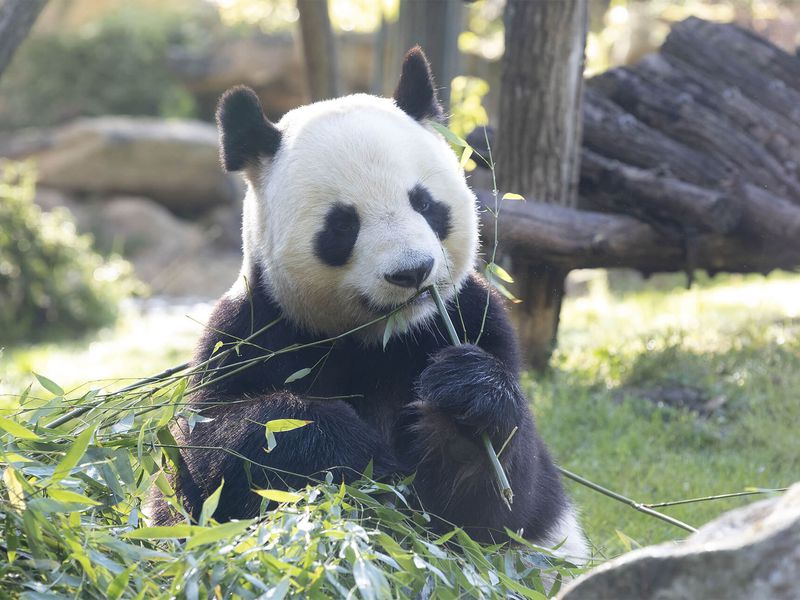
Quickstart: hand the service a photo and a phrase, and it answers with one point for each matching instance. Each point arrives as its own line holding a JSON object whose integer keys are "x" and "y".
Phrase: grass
{"x": 656, "y": 394}
{"x": 612, "y": 411}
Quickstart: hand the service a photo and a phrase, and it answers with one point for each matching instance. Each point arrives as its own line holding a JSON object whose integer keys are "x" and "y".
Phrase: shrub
{"x": 52, "y": 283}
{"x": 110, "y": 68}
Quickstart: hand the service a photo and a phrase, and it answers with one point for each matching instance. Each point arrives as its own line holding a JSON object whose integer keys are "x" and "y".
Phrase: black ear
{"x": 245, "y": 133}
{"x": 415, "y": 92}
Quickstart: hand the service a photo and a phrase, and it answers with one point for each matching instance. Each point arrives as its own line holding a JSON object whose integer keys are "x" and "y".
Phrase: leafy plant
{"x": 52, "y": 283}
{"x": 74, "y": 491}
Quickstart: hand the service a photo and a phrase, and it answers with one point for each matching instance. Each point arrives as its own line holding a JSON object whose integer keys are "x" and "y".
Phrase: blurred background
{"x": 118, "y": 229}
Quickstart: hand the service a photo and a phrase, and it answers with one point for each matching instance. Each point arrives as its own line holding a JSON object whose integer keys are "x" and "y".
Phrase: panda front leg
{"x": 233, "y": 446}
{"x": 462, "y": 394}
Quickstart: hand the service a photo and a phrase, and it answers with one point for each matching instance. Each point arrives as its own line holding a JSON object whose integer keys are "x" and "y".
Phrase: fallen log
{"x": 655, "y": 197}
{"x": 567, "y": 238}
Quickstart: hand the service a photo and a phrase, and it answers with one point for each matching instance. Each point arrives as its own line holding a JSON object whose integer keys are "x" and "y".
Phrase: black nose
{"x": 413, "y": 277}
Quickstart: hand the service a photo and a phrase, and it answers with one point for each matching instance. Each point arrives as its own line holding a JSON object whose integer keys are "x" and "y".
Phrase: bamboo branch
{"x": 502, "y": 480}
{"x": 625, "y": 500}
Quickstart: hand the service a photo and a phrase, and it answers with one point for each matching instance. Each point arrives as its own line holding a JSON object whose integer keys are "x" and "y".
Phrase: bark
{"x": 16, "y": 19}
{"x": 538, "y": 149}
{"x": 319, "y": 49}
{"x": 655, "y": 197}
{"x": 435, "y": 27}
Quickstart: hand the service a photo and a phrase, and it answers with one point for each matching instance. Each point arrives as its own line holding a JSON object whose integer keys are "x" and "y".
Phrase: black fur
{"x": 415, "y": 93}
{"x": 335, "y": 242}
{"x": 245, "y": 133}
{"x": 419, "y": 405}
{"x": 437, "y": 214}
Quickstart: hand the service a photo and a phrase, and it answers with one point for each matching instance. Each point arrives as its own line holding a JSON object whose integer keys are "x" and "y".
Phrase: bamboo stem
{"x": 625, "y": 500}
{"x": 500, "y": 474}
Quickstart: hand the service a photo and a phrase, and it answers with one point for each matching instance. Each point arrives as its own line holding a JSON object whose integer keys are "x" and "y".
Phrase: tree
{"x": 538, "y": 144}
{"x": 319, "y": 49}
{"x": 16, "y": 19}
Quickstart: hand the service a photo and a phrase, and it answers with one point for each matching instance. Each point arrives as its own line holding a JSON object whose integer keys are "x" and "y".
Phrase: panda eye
{"x": 344, "y": 226}
{"x": 424, "y": 206}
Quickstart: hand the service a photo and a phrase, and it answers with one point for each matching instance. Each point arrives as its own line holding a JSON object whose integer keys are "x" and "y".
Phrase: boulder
{"x": 172, "y": 256}
{"x": 173, "y": 162}
{"x": 747, "y": 553}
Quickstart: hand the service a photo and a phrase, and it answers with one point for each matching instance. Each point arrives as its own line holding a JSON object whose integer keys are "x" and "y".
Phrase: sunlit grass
{"x": 734, "y": 345}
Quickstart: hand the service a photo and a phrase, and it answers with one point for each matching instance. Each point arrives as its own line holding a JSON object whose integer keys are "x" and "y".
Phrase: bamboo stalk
{"x": 502, "y": 480}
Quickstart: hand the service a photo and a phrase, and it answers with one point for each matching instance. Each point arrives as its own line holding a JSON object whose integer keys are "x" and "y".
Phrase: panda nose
{"x": 412, "y": 277}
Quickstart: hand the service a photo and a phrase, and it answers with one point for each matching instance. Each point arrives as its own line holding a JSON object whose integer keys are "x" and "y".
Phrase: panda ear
{"x": 415, "y": 92}
{"x": 245, "y": 133}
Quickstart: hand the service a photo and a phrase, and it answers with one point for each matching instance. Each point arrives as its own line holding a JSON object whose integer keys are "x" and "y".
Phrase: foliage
{"x": 116, "y": 66}
{"x": 51, "y": 281}
{"x": 72, "y": 499}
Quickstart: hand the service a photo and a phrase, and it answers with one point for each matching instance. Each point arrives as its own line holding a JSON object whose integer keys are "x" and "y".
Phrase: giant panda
{"x": 353, "y": 206}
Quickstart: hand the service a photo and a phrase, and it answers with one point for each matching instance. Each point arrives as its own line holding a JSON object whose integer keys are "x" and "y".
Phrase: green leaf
{"x": 210, "y": 505}
{"x": 214, "y": 534}
{"x": 16, "y": 494}
{"x": 49, "y": 385}
{"x": 73, "y": 455}
{"x": 279, "y": 495}
{"x": 512, "y": 196}
{"x": 502, "y": 289}
{"x": 217, "y": 346}
{"x": 120, "y": 583}
{"x": 18, "y": 431}
{"x": 500, "y": 272}
{"x": 282, "y": 425}
{"x": 297, "y": 375}
{"x": 465, "y": 156}
{"x": 161, "y": 532}
{"x": 67, "y": 496}
{"x": 450, "y": 136}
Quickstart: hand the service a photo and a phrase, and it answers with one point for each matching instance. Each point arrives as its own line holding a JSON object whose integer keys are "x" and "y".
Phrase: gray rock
{"x": 751, "y": 553}
{"x": 173, "y": 162}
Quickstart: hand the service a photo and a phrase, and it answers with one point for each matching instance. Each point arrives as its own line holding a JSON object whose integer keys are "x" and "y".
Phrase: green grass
{"x": 607, "y": 409}
{"x": 735, "y": 344}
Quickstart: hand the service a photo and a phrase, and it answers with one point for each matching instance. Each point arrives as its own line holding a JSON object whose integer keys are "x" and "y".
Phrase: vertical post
{"x": 538, "y": 143}
{"x": 319, "y": 49}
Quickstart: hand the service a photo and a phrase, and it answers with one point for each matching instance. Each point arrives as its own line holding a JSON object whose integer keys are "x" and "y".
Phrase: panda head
{"x": 353, "y": 205}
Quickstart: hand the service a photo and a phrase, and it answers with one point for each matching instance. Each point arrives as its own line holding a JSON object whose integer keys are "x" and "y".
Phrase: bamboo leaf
{"x": 18, "y": 431}
{"x": 73, "y": 455}
{"x": 279, "y": 495}
{"x": 216, "y": 533}
{"x": 210, "y": 505}
{"x": 297, "y": 375}
{"x": 500, "y": 272}
{"x": 67, "y": 496}
{"x": 450, "y": 136}
{"x": 16, "y": 494}
{"x": 282, "y": 425}
{"x": 50, "y": 385}
{"x": 161, "y": 532}
{"x": 512, "y": 196}
{"x": 120, "y": 583}
{"x": 465, "y": 156}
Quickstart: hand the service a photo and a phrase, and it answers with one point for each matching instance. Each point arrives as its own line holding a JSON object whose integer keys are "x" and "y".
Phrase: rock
{"x": 173, "y": 162}
{"x": 747, "y": 553}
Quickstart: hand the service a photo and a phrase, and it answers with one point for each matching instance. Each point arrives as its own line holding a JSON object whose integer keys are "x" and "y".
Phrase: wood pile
{"x": 690, "y": 160}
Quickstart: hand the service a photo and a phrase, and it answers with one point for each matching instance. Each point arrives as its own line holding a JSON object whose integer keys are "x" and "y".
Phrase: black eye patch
{"x": 436, "y": 214}
{"x": 334, "y": 243}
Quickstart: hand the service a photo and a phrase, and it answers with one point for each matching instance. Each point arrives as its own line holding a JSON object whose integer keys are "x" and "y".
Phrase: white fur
{"x": 569, "y": 534}
{"x": 360, "y": 150}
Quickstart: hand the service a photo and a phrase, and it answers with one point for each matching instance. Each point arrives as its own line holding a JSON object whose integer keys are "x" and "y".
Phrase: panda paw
{"x": 474, "y": 389}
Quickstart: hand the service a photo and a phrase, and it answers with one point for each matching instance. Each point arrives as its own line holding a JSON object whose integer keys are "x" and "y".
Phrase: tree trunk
{"x": 539, "y": 139}
{"x": 434, "y": 25}
{"x": 319, "y": 49}
{"x": 16, "y": 19}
